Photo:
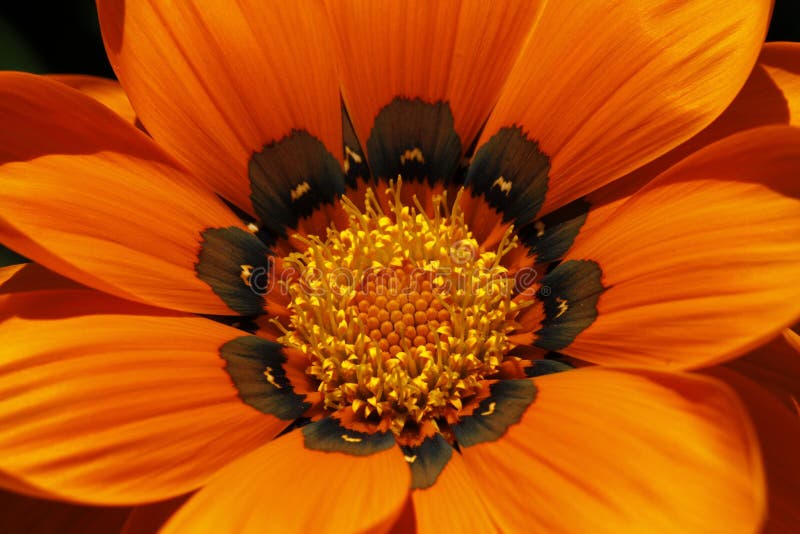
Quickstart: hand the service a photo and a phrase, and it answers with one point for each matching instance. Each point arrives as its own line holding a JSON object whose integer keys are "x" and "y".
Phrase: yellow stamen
{"x": 401, "y": 314}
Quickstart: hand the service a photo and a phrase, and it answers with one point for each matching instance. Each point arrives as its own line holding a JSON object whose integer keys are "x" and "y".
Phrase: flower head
{"x": 343, "y": 276}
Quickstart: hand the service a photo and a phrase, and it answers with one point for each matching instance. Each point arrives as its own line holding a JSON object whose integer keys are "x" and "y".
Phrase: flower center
{"x": 401, "y": 315}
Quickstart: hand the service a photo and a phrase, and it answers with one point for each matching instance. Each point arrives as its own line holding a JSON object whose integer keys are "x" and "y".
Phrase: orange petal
{"x": 770, "y": 96}
{"x": 20, "y": 514}
{"x": 406, "y": 523}
{"x": 607, "y": 451}
{"x": 13, "y": 484}
{"x": 781, "y": 61}
{"x": 32, "y": 277}
{"x": 91, "y": 197}
{"x": 605, "y": 88}
{"x": 104, "y": 405}
{"x": 452, "y": 503}
{"x": 10, "y": 271}
{"x": 214, "y": 83}
{"x": 294, "y": 489}
{"x": 776, "y": 367}
{"x": 455, "y": 51}
{"x": 105, "y": 91}
{"x": 149, "y": 518}
{"x": 701, "y": 265}
{"x": 779, "y": 434}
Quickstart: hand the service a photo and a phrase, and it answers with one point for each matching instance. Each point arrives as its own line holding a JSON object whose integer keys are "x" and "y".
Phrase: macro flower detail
{"x": 402, "y": 318}
{"x": 421, "y": 327}
{"x": 411, "y": 266}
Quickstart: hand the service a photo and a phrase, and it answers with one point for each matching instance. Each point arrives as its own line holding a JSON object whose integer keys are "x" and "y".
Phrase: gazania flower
{"x": 349, "y": 321}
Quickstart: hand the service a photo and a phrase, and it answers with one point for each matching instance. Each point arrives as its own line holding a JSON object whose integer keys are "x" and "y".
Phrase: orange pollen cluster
{"x": 401, "y": 312}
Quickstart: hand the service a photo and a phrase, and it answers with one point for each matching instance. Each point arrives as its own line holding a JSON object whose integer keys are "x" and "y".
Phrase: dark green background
{"x": 64, "y": 37}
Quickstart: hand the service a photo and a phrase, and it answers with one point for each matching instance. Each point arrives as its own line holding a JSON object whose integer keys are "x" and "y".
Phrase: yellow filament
{"x": 401, "y": 314}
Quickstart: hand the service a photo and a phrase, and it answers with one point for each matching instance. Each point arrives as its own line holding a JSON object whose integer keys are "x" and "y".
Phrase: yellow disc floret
{"x": 400, "y": 314}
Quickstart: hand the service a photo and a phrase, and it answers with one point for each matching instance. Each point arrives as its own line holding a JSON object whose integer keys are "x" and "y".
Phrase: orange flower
{"x": 334, "y": 324}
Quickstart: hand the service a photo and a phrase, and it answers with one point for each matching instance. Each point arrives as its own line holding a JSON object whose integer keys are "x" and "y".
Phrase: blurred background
{"x": 64, "y": 37}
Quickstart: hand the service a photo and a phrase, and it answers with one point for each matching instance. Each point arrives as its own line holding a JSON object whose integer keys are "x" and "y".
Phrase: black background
{"x": 63, "y": 36}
